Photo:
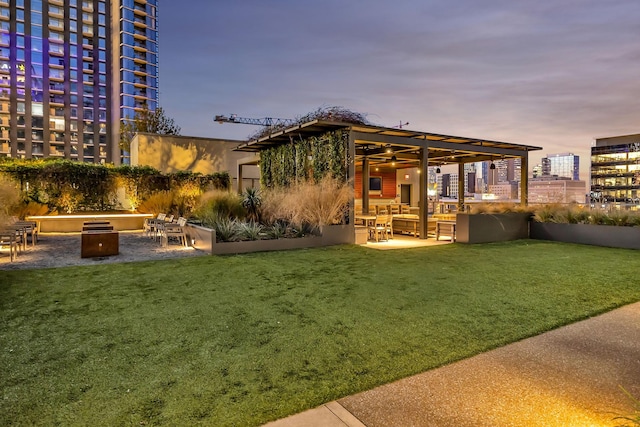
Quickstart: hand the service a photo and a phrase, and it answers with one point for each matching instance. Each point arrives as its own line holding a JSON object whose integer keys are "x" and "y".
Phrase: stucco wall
{"x": 169, "y": 153}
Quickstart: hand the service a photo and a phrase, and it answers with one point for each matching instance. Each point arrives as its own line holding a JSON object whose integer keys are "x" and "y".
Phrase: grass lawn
{"x": 241, "y": 340}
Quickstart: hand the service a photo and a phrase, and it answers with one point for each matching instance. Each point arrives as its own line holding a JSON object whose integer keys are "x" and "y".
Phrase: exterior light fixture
{"x": 388, "y": 148}
{"x": 438, "y": 169}
{"x": 393, "y": 160}
{"x": 493, "y": 166}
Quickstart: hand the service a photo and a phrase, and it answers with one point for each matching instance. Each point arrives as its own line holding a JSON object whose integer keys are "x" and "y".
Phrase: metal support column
{"x": 365, "y": 185}
{"x": 423, "y": 198}
{"x": 461, "y": 187}
{"x": 524, "y": 179}
{"x": 351, "y": 175}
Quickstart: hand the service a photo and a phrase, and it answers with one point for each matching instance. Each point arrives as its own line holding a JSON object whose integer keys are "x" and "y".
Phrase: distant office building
{"x": 447, "y": 183}
{"x": 615, "y": 170}
{"x": 566, "y": 165}
{"x": 504, "y": 190}
{"x": 70, "y": 70}
{"x": 556, "y": 190}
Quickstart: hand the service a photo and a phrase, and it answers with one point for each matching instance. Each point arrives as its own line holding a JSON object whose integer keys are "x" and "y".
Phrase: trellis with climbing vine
{"x": 305, "y": 159}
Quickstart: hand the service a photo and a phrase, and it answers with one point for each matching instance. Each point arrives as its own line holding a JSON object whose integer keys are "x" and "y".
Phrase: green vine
{"x": 306, "y": 159}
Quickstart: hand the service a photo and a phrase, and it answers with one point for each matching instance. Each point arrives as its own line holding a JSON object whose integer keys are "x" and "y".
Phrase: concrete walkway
{"x": 567, "y": 377}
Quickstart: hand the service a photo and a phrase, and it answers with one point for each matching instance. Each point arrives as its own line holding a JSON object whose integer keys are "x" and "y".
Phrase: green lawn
{"x": 241, "y": 340}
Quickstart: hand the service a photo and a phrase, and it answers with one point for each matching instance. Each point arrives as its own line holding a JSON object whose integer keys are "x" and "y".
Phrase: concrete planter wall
{"x": 486, "y": 228}
{"x": 205, "y": 239}
{"x": 73, "y": 223}
{"x": 586, "y": 234}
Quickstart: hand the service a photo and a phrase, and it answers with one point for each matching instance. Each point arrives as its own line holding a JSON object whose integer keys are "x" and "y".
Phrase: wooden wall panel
{"x": 388, "y": 184}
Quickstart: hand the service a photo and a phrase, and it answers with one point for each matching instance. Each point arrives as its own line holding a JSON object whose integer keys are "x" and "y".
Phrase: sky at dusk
{"x": 554, "y": 74}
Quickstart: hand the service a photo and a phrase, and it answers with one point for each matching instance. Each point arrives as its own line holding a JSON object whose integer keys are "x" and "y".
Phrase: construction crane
{"x": 265, "y": 121}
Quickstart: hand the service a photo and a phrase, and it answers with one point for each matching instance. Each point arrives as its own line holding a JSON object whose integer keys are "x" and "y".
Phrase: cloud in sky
{"x": 551, "y": 74}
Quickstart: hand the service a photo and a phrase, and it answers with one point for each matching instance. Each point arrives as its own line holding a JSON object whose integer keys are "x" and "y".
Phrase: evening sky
{"x": 549, "y": 73}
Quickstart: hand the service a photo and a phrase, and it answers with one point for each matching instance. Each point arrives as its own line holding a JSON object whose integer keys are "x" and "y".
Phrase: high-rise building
{"x": 537, "y": 171}
{"x": 615, "y": 170}
{"x": 565, "y": 165}
{"x": 70, "y": 70}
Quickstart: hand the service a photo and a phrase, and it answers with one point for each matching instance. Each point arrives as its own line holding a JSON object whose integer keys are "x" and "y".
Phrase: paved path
{"x": 567, "y": 377}
{"x": 63, "y": 250}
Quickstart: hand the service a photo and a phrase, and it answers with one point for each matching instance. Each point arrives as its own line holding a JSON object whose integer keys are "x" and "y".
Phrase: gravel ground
{"x": 63, "y": 249}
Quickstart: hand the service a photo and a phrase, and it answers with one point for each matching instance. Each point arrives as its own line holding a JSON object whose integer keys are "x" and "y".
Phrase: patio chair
{"x": 175, "y": 230}
{"x": 30, "y": 230}
{"x": 380, "y": 227}
{"x": 15, "y": 238}
{"x": 8, "y": 238}
{"x": 151, "y": 225}
{"x": 390, "y": 226}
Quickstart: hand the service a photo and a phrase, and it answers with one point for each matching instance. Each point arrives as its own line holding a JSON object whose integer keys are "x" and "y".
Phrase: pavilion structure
{"x": 371, "y": 146}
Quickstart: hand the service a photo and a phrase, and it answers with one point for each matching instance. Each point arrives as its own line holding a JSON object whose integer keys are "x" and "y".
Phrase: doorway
{"x": 405, "y": 194}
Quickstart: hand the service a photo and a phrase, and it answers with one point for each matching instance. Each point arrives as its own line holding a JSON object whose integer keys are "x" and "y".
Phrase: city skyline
{"x": 551, "y": 75}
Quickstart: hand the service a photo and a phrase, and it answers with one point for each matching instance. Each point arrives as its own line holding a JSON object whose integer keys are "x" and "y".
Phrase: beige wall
{"x": 170, "y": 153}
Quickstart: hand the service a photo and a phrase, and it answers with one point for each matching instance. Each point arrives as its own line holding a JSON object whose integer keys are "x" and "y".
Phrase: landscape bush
{"x": 9, "y": 199}
{"x": 70, "y": 186}
{"x": 216, "y": 204}
{"x": 298, "y": 210}
{"x": 578, "y": 215}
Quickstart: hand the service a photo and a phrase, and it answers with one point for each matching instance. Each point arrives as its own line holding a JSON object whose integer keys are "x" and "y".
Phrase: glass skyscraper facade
{"x": 566, "y": 165}
{"x": 69, "y": 71}
{"x": 615, "y": 170}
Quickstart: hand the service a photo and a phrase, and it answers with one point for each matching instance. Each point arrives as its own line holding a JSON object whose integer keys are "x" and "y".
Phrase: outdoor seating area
{"x": 16, "y": 235}
{"x": 383, "y": 221}
{"x": 163, "y": 229}
{"x": 22, "y": 245}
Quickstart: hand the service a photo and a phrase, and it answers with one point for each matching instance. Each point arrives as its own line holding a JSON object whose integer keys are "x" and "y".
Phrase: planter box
{"x": 74, "y": 223}
{"x": 362, "y": 235}
{"x": 486, "y": 228}
{"x": 205, "y": 239}
{"x": 586, "y": 234}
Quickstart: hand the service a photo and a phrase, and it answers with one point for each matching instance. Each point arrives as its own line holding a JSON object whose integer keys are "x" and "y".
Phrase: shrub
{"x": 217, "y": 203}
{"x": 69, "y": 199}
{"x": 250, "y": 230}
{"x": 30, "y": 208}
{"x": 251, "y": 201}
{"x": 277, "y": 230}
{"x": 9, "y": 199}
{"x": 226, "y": 229}
{"x": 496, "y": 208}
{"x": 308, "y": 203}
{"x": 325, "y": 202}
{"x": 160, "y": 202}
{"x": 272, "y": 207}
{"x": 597, "y": 217}
{"x": 571, "y": 216}
{"x": 577, "y": 215}
{"x": 545, "y": 213}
